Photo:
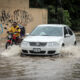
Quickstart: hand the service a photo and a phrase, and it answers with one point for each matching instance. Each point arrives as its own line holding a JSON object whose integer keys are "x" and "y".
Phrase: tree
{"x": 66, "y": 18}
{"x": 61, "y": 11}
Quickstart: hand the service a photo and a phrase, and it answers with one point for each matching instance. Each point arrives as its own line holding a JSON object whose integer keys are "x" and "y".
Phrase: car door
{"x": 66, "y": 36}
{"x": 71, "y": 37}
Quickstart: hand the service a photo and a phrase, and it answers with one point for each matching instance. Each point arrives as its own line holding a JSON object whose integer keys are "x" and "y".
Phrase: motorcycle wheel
{"x": 7, "y": 45}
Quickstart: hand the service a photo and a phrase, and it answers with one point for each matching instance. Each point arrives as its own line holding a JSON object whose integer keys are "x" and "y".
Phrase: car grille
{"x": 51, "y": 52}
{"x": 41, "y": 52}
{"x": 38, "y": 44}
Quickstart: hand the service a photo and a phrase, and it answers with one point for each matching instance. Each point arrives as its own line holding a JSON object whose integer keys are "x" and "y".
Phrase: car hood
{"x": 42, "y": 39}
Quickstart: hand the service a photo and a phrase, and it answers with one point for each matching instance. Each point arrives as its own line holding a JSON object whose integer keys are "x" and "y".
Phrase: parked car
{"x": 47, "y": 39}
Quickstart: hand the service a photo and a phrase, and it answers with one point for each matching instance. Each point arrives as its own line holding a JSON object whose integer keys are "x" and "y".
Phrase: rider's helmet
{"x": 14, "y": 24}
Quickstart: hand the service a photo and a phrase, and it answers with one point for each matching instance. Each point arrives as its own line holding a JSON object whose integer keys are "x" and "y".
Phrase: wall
{"x": 39, "y": 16}
{"x": 30, "y": 18}
{"x": 19, "y": 11}
{"x": 14, "y": 4}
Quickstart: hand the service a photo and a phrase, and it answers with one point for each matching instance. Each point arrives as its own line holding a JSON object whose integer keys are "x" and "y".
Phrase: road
{"x": 63, "y": 67}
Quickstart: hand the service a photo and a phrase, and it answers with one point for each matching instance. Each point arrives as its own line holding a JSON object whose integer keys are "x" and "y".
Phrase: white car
{"x": 47, "y": 39}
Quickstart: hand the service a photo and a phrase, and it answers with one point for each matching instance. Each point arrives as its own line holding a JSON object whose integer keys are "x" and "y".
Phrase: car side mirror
{"x": 27, "y": 34}
{"x": 67, "y": 35}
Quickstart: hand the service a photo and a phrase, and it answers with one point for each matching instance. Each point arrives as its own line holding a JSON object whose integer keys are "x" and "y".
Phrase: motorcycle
{"x": 12, "y": 40}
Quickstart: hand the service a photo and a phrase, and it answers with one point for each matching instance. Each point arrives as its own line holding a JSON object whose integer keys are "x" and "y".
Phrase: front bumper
{"x": 40, "y": 50}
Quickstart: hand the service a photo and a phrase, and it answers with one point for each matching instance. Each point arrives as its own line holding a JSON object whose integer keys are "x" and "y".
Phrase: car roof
{"x": 52, "y": 25}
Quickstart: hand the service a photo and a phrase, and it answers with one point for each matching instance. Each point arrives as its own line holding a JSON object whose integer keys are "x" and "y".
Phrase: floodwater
{"x": 66, "y": 66}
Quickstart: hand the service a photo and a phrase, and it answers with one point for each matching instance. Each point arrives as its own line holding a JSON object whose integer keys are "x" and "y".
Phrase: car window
{"x": 47, "y": 31}
{"x": 65, "y": 31}
{"x": 70, "y": 32}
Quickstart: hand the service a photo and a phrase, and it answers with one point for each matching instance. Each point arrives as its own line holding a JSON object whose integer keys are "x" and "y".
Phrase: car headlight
{"x": 24, "y": 44}
{"x": 53, "y": 44}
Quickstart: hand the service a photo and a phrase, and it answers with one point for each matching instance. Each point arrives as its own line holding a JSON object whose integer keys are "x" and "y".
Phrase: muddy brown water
{"x": 63, "y": 67}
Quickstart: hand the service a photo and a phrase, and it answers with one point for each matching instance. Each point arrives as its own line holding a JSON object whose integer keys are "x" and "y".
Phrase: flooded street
{"x": 63, "y": 67}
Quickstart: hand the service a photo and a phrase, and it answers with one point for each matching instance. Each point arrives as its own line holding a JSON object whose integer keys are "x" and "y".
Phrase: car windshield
{"x": 47, "y": 31}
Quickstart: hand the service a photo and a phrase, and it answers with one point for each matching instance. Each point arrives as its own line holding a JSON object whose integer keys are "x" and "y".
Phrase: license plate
{"x": 36, "y": 49}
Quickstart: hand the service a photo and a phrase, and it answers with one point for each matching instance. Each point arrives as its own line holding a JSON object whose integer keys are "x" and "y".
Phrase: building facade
{"x": 19, "y": 11}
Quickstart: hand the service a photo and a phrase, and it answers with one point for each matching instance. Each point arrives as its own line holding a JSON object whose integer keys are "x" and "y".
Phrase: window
{"x": 47, "y": 31}
{"x": 70, "y": 32}
{"x": 65, "y": 31}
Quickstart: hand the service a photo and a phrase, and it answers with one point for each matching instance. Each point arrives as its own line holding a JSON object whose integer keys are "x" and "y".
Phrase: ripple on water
{"x": 14, "y": 67}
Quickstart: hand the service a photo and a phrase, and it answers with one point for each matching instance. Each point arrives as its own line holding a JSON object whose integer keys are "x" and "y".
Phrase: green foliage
{"x": 51, "y": 8}
{"x": 76, "y": 24}
{"x": 66, "y": 18}
{"x": 52, "y": 14}
{"x": 60, "y": 15}
{"x": 61, "y": 11}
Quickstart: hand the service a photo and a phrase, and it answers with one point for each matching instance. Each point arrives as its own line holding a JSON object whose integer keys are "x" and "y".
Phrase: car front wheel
{"x": 75, "y": 43}
{"x": 63, "y": 45}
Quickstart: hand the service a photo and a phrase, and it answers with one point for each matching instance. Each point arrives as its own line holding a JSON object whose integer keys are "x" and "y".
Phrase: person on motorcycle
{"x": 22, "y": 33}
{"x": 15, "y": 30}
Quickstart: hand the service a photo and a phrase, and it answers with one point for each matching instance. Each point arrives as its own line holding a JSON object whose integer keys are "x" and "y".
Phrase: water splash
{"x": 12, "y": 51}
{"x": 70, "y": 51}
